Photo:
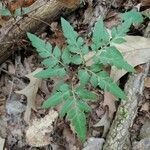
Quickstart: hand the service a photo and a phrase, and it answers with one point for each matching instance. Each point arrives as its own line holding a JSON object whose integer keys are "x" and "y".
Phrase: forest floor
{"x": 21, "y": 112}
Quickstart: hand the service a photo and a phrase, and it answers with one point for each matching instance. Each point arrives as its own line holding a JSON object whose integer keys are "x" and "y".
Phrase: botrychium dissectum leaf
{"x": 74, "y": 96}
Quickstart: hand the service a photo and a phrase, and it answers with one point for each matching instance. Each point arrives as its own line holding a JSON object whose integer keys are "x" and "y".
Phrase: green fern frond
{"x": 133, "y": 15}
{"x": 78, "y": 120}
{"x": 84, "y": 94}
{"x": 71, "y": 92}
{"x": 106, "y": 83}
{"x": 100, "y": 35}
{"x": 113, "y": 57}
{"x": 83, "y": 76}
{"x": 43, "y": 48}
{"x": 51, "y": 72}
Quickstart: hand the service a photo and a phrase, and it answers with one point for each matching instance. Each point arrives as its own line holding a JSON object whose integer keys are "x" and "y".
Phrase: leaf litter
{"x": 107, "y": 98}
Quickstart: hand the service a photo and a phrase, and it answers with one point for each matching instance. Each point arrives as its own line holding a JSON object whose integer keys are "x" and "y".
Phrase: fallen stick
{"x": 14, "y": 29}
{"x": 127, "y": 111}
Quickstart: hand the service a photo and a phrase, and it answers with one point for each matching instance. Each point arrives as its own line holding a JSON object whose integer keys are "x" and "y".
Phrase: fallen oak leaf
{"x": 36, "y": 134}
{"x": 105, "y": 122}
{"x": 136, "y": 51}
{"x": 109, "y": 100}
{"x": 30, "y": 92}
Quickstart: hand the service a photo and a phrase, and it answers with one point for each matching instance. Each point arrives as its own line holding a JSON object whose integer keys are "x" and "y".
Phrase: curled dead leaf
{"x": 105, "y": 122}
{"x": 36, "y": 134}
{"x": 30, "y": 92}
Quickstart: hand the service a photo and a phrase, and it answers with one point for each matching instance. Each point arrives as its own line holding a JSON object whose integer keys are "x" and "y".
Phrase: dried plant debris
{"x": 30, "y": 92}
{"x": 36, "y": 134}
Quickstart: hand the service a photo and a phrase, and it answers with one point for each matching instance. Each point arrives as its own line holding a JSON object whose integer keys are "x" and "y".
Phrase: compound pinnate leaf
{"x": 100, "y": 35}
{"x": 66, "y": 107}
{"x": 50, "y": 72}
{"x": 78, "y": 120}
{"x": 84, "y": 106}
{"x": 43, "y": 48}
{"x": 113, "y": 57}
{"x": 68, "y": 31}
{"x": 85, "y": 94}
{"x": 55, "y": 99}
{"x": 133, "y": 15}
{"x": 106, "y": 83}
{"x": 83, "y": 77}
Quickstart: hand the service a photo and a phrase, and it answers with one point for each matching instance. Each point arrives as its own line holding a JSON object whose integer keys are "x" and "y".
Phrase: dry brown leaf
{"x": 70, "y": 138}
{"x": 88, "y": 12}
{"x": 36, "y": 134}
{"x": 30, "y": 92}
{"x": 105, "y": 122}
{"x": 109, "y": 100}
{"x": 136, "y": 51}
{"x": 2, "y": 141}
{"x": 94, "y": 144}
{"x": 145, "y": 107}
{"x": 147, "y": 82}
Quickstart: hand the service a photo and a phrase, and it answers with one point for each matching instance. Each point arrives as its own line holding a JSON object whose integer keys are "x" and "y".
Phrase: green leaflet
{"x": 100, "y": 35}
{"x": 113, "y": 57}
{"x": 78, "y": 120}
{"x": 50, "y": 62}
{"x": 66, "y": 107}
{"x": 57, "y": 52}
{"x": 106, "y": 83}
{"x": 43, "y": 48}
{"x": 4, "y": 12}
{"x": 84, "y": 94}
{"x": 50, "y": 72}
{"x": 55, "y": 99}
{"x": 121, "y": 30}
{"x": 68, "y": 31}
{"x": 84, "y": 106}
{"x": 133, "y": 15}
{"x": 96, "y": 67}
{"x": 21, "y": 11}
{"x": 94, "y": 80}
{"x": 83, "y": 77}
{"x": 66, "y": 56}
{"x": 76, "y": 59}
{"x": 118, "y": 40}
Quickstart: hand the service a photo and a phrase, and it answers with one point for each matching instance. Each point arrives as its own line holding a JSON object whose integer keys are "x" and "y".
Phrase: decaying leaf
{"x": 94, "y": 144}
{"x": 70, "y": 139}
{"x": 30, "y": 92}
{"x": 109, "y": 100}
{"x": 136, "y": 51}
{"x": 105, "y": 122}
{"x": 36, "y": 134}
{"x": 2, "y": 141}
{"x": 147, "y": 82}
{"x": 145, "y": 107}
